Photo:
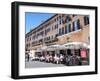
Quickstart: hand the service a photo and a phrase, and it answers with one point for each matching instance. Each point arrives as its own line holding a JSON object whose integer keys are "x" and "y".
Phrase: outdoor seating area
{"x": 69, "y": 54}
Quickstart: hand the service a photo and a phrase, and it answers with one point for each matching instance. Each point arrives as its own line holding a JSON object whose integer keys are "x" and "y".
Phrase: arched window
{"x": 76, "y": 25}
{"x": 86, "y": 20}
{"x": 68, "y": 28}
{"x": 65, "y": 29}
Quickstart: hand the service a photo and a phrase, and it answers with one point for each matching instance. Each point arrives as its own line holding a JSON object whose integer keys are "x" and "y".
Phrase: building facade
{"x": 60, "y": 29}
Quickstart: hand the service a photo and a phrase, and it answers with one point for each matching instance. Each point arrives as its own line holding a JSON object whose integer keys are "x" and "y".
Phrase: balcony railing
{"x": 51, "y": 40}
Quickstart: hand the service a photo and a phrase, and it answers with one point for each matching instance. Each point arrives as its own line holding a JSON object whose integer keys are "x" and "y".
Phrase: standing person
{"x": 75, "y": 60}
{"x": 61, "y": 58}
{"x": 68, "y": 60}
{"x": 47, "y": 58}
{"x": 51, "y": 58}
{"x": 56, "y": 59}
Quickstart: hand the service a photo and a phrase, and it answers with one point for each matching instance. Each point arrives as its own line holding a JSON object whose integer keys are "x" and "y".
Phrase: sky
{"x": 33, "y": 19}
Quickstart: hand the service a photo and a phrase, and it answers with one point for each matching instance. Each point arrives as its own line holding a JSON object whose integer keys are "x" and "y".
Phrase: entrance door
{"x": 62, "y": 52}
{"x": 77, "y": 52}
{"x": 68, "y": 51}
{"x": 53, "y": 53}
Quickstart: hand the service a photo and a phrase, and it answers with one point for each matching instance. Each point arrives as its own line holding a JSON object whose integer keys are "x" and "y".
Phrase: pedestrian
{"x": 68, "y": 60}
{"x": 75, "y": 60}
{"x": 56, "y": 59}
{"x": 61, "y": 58}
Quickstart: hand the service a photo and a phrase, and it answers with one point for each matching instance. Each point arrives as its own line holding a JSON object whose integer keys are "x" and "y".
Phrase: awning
{"x": 55, "y": 47}
{"x": 76, "y": 45}
{"x": 43, "y": 48}
{"x": 39, "y": 50}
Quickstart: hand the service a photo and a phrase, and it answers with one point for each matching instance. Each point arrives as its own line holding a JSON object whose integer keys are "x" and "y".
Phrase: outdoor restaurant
{"x": 63, "y": 38}
{"x": 60, "y": 53}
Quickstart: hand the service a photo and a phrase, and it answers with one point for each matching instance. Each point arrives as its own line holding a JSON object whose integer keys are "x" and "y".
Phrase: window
{"x": 86, "y": 20}
{"x": 59, "y": 17}
{"x": 63, "y": 30}
{"x": 76, "y": 25}
{"x": 47, "y": 30}
{"x": 68, "y": 18}
{"x": 48, "y": 38}
{"x": 73, "y": 28}
{"x": 60, "y": 32}
{"x": 30, "y": 38}
{"x": 55, "y": 20}
{"x": 68, "y": 28}
{"x": 60, "y": 22}
{"x": 41, "y": 33}
{"x": 63, "y": 21}
{"x": 56, "y": 26}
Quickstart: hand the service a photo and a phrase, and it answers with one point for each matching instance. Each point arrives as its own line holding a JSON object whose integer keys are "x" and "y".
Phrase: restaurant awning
{"x": 39, "y": 50}
{"x": 76, "y": 45}
{"x": 55, "y": 47}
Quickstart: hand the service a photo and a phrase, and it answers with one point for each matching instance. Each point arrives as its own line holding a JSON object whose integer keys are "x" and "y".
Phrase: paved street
{"x": 37, "y": 64}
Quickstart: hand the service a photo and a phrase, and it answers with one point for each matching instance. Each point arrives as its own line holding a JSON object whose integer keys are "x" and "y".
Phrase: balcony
{"x": 36, "y": 43}
{"x": 51, "y": 40}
